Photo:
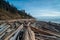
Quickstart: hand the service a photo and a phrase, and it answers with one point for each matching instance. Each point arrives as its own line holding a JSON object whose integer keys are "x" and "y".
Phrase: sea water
{"x": 55, "y": 19}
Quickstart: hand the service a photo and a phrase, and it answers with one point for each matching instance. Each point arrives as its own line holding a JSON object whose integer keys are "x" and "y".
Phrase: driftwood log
{"x": 28, "y": 34}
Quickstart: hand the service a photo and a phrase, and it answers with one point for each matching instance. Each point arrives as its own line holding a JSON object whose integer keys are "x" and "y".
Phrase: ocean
{"x": 55, "y": 19}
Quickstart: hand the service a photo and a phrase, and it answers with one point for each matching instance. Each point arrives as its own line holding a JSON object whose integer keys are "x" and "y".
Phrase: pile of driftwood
{"x": 33, "y": 33}
{"x": 27, "y": 32}
{"x": 24, "y": 32}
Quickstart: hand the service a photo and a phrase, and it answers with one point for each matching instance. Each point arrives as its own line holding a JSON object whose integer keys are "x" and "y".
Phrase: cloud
{"x": 50, "y": 13}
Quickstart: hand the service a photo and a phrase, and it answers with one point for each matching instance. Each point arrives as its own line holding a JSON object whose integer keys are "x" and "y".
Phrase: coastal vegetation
{"x": 9, "y": 11}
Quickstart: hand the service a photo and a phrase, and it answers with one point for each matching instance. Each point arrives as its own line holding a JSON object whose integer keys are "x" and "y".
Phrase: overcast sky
{"x": 38, "y": 8}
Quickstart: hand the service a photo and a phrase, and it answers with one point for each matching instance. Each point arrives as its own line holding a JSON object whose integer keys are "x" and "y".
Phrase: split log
{"x": 28, "y": 34}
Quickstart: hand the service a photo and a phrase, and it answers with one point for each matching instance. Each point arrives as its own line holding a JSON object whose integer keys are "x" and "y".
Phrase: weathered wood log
{"x": 28, "y": 34}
